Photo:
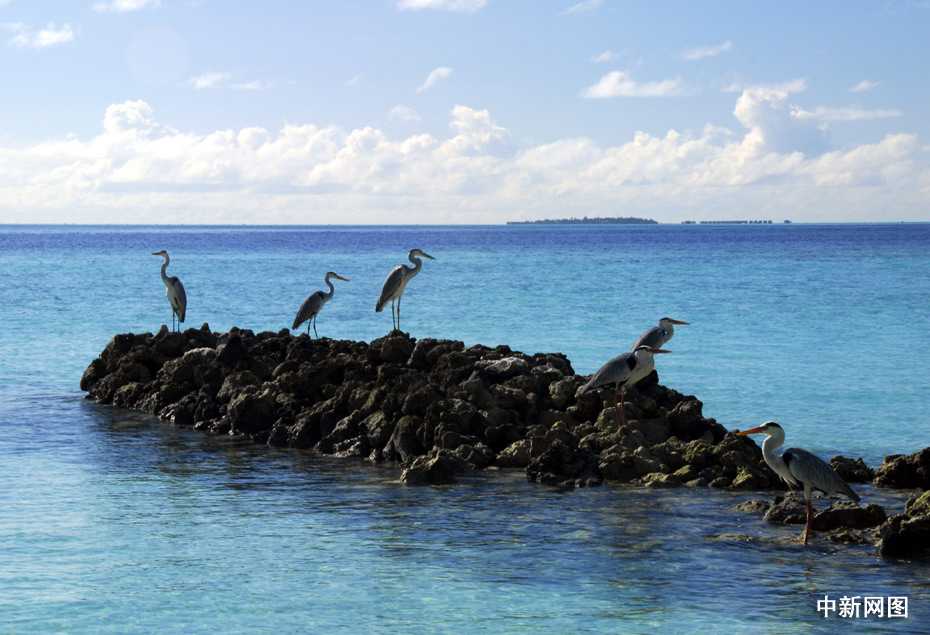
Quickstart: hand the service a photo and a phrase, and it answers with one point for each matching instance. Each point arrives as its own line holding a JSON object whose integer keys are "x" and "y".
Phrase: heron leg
{"x": 315, "y": 334}
{"x": 619, "y": 413}
{"x": 809, "y": 521}
{"x": 393, "y": 317}
{"x": 398, "y": 312}
{"x": 308, "y": 329}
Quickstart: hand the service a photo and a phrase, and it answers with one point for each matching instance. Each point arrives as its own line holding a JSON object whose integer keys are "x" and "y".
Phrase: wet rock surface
{"x": 436, "y": 407}
{"x": 907, "y": 535}
{"x": 905, "y": 471}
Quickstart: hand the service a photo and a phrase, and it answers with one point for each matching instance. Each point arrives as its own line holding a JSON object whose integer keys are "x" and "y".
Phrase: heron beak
{"x": 343, "y": 278}
{"x": 156, "y": 253}
{"x": 656, "y": 351}
{"x": 755, "y": 430}
{"x": 674, "y": 321}
{"x": 426, "y": 255}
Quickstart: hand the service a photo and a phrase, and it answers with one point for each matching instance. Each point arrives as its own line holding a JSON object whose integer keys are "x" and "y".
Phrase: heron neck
{"x": 417, "y": 265}
{"x": 771, "y": 457}
{"x": 164, "y": 269}
{"x": 332, "y": 289}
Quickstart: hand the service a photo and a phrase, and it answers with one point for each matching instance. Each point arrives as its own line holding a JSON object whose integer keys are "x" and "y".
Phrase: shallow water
{"x": 112, "y": 522}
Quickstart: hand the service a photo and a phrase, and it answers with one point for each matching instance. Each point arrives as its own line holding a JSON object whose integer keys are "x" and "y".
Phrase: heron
{"x": 177, "y": 297}
{"x": 660, "y": 334}
{"x": 799, "y": 467}
{"x": 315, "y": 303}
{"x": 626, "y": 369}
{"x": 396, "y": 282}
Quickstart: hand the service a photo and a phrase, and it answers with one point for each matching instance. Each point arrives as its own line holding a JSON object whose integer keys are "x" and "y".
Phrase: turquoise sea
{"x": 113, "y": 522}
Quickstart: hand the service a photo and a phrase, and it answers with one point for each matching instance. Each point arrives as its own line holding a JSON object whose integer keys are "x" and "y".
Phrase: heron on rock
{"x": 177, "y": 297}
{"x": 624, "y": 370}
{"x": 396, "y": 282}
{"x": 799, "y": 467}
{"x": 315, "y": 303}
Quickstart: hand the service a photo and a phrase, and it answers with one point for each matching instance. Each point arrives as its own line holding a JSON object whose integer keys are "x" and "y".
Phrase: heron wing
{"x": 654, "y": 337}
{"x": 179, "y": 299}
{"x": 393, "y": 285}
{"x": 309, "y": 308}
{"x": 615, "y": 371}
{"x": 811, "y": 470}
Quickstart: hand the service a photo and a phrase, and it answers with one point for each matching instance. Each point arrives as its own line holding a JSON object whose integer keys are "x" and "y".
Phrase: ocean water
{"x": 112, "y": 522}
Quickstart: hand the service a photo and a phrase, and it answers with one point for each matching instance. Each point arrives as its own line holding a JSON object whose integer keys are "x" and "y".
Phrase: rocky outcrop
{"x": 905, "y": 472}
{"x": 436, "y": 407}
{"x": 907, "y": 535}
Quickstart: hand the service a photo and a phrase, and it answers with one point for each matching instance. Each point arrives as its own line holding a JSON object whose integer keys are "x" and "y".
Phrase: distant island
{"x": 585, "y": 220}
{"x": 761, "y": 221}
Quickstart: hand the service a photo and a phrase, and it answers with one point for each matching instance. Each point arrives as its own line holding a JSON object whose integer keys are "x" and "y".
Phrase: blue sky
{"x": 208, "y": 111}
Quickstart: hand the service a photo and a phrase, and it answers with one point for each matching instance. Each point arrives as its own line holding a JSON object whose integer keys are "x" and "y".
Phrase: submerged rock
{"x": 852, "y": 470}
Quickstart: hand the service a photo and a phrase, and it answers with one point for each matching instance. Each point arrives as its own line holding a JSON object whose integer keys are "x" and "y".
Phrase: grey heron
{"x": 315, "y": 303}
{"x": 660, "y": 334}
{"x": 177, "y": 297}
{"x": 624, "y": 370}
{"x": 396, "y": 282}
{"x": 799, "y": 467}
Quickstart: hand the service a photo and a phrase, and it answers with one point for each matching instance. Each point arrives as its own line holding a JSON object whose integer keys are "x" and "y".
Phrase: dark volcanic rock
{"x": 433, "y": 405}
{"x": 907, "y": 535}
{"x": 852, "y": 470}
{"x": 905, "y": 472}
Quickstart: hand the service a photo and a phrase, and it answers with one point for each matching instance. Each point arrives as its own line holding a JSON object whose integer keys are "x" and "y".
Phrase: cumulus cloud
{"x": 209, "y": 80}
{"x": 846, "y": 113}
{"x": 435, "y": 76}
{"x": 125, "y": 6}
{"x": 403, "y": 113}
{"x": 707, "y": 51}
{"x": 620, "y": 84}
{"x": 864, "y": 86}
{"x": 459, "y": 6}
{"x": 136, "y": 166}
{"x": 586, "y": 6}
{"x": 25, "y": 36}
{"x": 604, "y": 56}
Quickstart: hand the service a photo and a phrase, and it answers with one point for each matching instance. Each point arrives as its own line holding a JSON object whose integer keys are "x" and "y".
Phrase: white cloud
{"x": 435, "y": 76}
{"x": 403, "y": 113}
{"x": 209, "y": 80}
{"x": 604, "y": 56}
{"x": 458, "y": 6}
{"x": 28, "y": 37}
{"x": 846, "y": 113}
{"x": 620, "y": 84}
{"x": 252, "y": 86}
{"x": 585, "y": 6}
{"x": 707, "y": 51}
{"x": 137, "y": 168}
{"x": 864, "y": 86}
{"x": 125, "y": 6}
{"x": 354, "y": 81}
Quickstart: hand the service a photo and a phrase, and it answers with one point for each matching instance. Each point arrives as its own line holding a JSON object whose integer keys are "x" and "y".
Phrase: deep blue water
{"x": 113, "y": 522}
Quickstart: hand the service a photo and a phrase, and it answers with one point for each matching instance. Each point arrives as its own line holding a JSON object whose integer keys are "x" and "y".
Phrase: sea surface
{"x": 112, "y": 522}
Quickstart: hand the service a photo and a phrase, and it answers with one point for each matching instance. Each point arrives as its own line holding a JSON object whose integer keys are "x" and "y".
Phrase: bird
{"x": 799, "y": 467}
{"x": 624, "y": 370}
{"x": 660, "y": 334}
{"x": 396, "y": 282}
{"x": 315, "y": 303}
{"x": 177, "y": 297}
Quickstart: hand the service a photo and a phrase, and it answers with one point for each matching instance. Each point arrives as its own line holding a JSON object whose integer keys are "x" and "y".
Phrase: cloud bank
{"x": 138, "y": 169}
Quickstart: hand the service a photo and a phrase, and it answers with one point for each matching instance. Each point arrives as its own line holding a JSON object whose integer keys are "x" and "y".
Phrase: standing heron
{"x": 396, "y": 282}
{"x": 177, "y": 297}
{"x": 799, "y": 467}
{"x": 315, "y": 303}
{"x": 660, "y": 334}
{"x": 623, "y": 370}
